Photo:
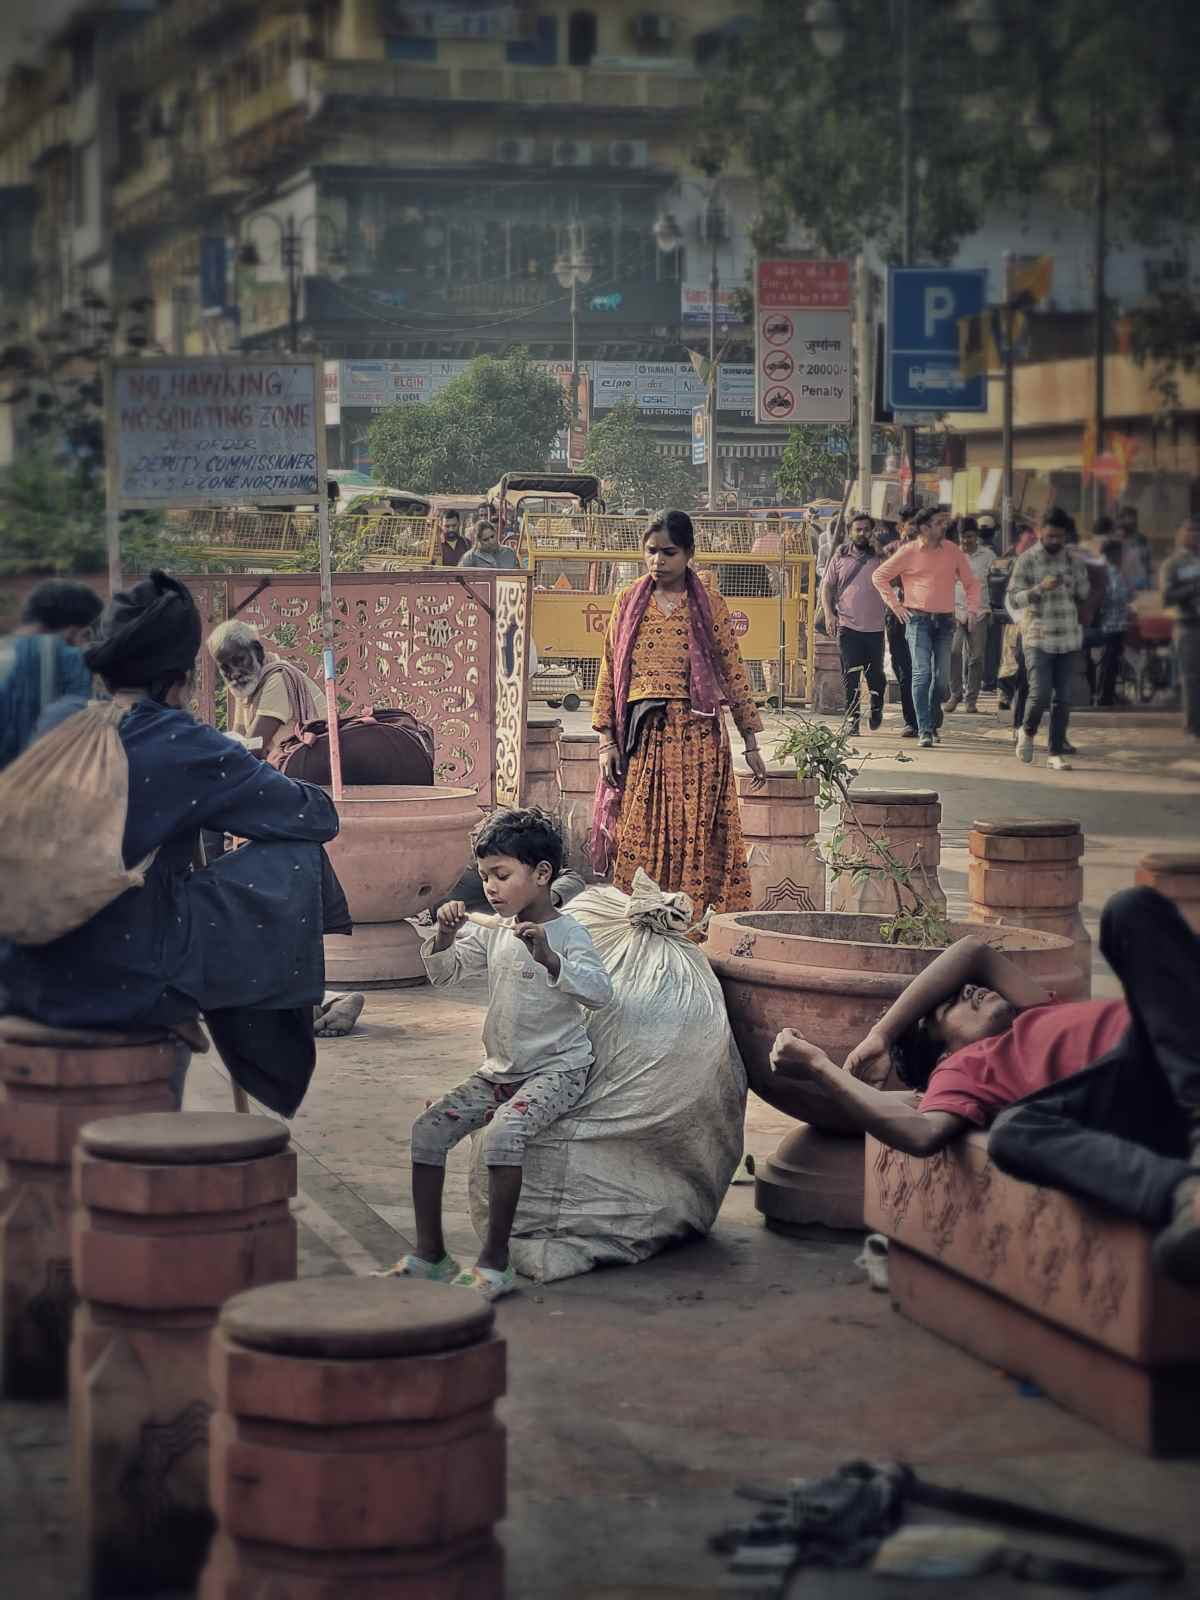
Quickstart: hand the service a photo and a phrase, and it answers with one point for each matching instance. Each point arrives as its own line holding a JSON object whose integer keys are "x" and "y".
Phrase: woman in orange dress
{"x": 666, "y": 799}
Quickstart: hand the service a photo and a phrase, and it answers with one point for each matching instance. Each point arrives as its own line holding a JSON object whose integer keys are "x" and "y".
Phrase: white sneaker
{"x": 1025, "y": 747}
{"x": 1058, "y": 764}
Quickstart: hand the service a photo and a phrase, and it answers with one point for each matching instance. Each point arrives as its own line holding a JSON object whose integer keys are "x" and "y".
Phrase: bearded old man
{"x": 272, "y": 698}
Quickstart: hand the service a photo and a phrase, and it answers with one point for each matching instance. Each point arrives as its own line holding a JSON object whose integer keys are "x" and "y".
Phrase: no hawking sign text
{"x": 222, "y": 433}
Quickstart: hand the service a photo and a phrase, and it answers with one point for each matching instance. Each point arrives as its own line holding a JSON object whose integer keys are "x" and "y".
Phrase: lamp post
{"x": 291, "y": 257}
{"x": 713, "y": 229}
{"x": 573, "y": 267}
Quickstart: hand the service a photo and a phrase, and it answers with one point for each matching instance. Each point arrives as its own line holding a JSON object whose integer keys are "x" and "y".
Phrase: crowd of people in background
{"x": 958, "y": 617}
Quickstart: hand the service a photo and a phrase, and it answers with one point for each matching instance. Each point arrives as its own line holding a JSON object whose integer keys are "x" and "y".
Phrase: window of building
{"x": 405, "y": 49}
{"x": 581, "y": 38}
{"x": 541, "y": 50}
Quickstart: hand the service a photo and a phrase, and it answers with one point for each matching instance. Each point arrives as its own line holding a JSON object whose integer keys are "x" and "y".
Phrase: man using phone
{"x": 1049, "y": 583}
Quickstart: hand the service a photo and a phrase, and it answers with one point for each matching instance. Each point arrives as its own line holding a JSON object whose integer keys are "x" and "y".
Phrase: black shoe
{"x": 1068, "y": 749}
{"x": 1004, "y": 705}
{"x": 853, "y": 730}
{"x": 875, "y": 721}
{"x": 908, "y": 732}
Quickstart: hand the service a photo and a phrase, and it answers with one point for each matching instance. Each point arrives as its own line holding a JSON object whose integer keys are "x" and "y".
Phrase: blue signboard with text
{"x": 924, "y": 308}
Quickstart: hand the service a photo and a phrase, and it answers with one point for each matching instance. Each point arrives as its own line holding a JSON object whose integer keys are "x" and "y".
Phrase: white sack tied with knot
{"x": 63, "y": 805}
{"x": 644, "y": 1159}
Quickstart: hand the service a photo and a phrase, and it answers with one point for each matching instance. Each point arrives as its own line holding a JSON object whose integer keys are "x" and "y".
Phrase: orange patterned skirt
{"x": 679, "y": 813}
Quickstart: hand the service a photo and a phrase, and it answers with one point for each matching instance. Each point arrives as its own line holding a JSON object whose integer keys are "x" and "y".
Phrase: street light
{"x": 291, "y": 257}
{"x": 824, "y": 17}
{"x": 571, "y": 268}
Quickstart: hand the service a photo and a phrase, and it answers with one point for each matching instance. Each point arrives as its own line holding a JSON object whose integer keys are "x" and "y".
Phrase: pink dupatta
{"x": 707, "y": 691}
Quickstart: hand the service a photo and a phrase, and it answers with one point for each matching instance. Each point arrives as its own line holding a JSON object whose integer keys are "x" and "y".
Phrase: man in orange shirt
{"x": 928, "y": 568}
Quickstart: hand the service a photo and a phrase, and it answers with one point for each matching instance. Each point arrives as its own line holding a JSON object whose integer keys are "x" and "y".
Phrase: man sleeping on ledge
{"x": 1100, "y": 1098}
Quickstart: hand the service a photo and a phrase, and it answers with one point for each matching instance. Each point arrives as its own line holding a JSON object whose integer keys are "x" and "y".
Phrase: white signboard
{"x": 803, "y": 363}
{"x": 207, "y": 431}
{"x": 696, "y": 299}
{"x": 333, "y": 394}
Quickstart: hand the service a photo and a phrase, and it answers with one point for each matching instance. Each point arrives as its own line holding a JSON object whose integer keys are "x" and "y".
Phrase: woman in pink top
{"x": 929, "y": 568}
{"x": 1097, "y": 1097}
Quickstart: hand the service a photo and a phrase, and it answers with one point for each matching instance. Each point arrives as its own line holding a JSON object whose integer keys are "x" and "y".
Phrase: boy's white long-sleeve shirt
{"x": 534, "y": 1023}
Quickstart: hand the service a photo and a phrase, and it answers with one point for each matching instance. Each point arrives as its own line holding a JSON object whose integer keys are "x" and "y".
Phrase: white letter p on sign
{"x": 939, "y": 306}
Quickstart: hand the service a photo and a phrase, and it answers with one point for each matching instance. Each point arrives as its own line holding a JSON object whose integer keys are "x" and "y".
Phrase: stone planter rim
{"x": 767, "y": 922}
{"x": 366, "y": 1319}
{"x": 184, "y": 1138}
{"x": 894, "y": 797}
{"x": 1170, "y": 861}
{"x": 1028, "y": 827}
{"x": 381, "y": 793}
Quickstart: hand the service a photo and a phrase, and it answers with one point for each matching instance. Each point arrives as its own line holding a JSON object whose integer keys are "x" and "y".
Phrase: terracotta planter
{"x": 909, "y": 819}
{"x": 1025, "y": 872}
{"x": 578, "y": 755}
{"x": 355, "y": 1448}
{"x": 829, "y": 688}
{"x": 48, "y": 1091}
{"x": 830, "y": 977}
{"x": 780, "y": 823}
{"x": 400, "y": 850}
{"x": 1178, "y": 877}
{"x": 540, "y": 787}
{"x": 175, "y": 1213}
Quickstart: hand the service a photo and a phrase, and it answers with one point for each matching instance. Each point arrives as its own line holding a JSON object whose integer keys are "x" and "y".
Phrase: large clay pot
{"x": 400, "y": 850}
{"x": 830, "y": 976}
{"x": 1025, "y": 872}
{"x": 1177, "y": 875}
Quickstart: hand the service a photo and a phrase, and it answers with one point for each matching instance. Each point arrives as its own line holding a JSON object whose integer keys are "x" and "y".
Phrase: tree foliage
{"x": 623, "y": 453}
{"x": 815, "y": 464}
{"x": 823, "y": 137}
{"x": 52, "y": 520}
{"x": 501, "y": 415}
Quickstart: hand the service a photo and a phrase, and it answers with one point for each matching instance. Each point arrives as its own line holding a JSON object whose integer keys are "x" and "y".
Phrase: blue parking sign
{"x": 924, "y": 308}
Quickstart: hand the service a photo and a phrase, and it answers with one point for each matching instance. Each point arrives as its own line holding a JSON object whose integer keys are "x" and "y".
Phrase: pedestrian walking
{"x": 666, "y": 800}
{"x": 453, "y": 544}
{"x": 928, "y": 568}
{"x": 894, "y": 630}
{"x": 854, "y": 614}
{"x": 1181, "y": 589}
{"x": 1136, "y": 560}
{"x": 970, "y": 635}
{"x": 544, "y": 975}
{"x": 1112, "y": 625}
{"x": 41, "y": 661}
{"x": 487, "y": 551}
{"x": 1050, "y": 583}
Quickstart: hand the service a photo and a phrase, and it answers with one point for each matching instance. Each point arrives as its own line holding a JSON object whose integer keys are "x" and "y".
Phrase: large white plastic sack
{"x": 645, "y": 1157}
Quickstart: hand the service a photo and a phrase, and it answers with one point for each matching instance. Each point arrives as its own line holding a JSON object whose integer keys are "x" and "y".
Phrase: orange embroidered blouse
{"x": 660, "y": 662}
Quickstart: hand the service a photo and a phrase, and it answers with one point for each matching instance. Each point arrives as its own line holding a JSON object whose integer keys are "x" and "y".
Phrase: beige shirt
{"x": 270, "y": 699}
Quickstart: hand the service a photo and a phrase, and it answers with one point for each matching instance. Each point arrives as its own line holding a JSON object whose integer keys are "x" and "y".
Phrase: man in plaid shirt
{"x": 1049, "y": 582}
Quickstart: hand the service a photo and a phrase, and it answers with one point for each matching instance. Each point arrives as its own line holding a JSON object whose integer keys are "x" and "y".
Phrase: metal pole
{"x": 574, "y": 361}
{"x": 327, "y": 639}
{"x": 714, "y": 284}
{"x": 1101, "y": 324}
{"x": 1006, "y": 504}
{"x": 289, "y": 250}
{"x": 908, "y": 191}
{"x": 865, "y": 340}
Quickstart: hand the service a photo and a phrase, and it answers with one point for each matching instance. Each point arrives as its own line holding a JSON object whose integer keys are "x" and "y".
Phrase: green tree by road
{"x": 501, "y": 415}
{"x": 624, "y": 454}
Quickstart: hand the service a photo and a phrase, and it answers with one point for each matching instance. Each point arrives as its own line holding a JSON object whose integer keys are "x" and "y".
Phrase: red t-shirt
{"x": 1043, "y": 1046}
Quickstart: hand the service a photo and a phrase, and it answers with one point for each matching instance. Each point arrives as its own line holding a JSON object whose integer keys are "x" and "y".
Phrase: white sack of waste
{"x": 644, "y": 1158}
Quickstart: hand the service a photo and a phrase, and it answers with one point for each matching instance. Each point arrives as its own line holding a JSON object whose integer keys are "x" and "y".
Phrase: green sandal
{"x": 447, "y": 1270}
{"x": 487, "y": 1281}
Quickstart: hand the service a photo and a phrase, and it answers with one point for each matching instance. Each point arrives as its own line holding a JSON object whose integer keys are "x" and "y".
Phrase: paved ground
{"x": 641, "y": 1397}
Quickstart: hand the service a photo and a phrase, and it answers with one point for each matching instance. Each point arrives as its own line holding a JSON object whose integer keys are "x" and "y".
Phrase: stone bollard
{"x": 780, "y": 825}
{"x": 1024, "y": 872}
{"x": 908, "y": 819}
{"x": 540, "y": 787}
{"x": 52, "y": 1081}
{"x": 174, "y": 1214}
{"x": 578, "y": 758}
{"x": 355, "y": 1450}
{"x": 1178, "y": 877}
{"x": 829, "y": 690}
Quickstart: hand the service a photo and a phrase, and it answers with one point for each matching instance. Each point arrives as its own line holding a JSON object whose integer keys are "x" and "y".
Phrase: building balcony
{"x": 167, "y": 39}
{"x": 595, "y": 87}
{"x": 165, "y": 183}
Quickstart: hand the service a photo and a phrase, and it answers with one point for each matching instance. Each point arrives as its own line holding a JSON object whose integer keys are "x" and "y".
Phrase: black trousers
{"x": 1119, "y": 1131}
{"x": 897, "y": 643}
{"x": 1105, "y": 688}
{"x": 862, "y": 652}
